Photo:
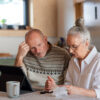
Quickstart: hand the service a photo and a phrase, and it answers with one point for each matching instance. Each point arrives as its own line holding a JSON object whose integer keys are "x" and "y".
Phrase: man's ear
{"x": 45, "y": 38}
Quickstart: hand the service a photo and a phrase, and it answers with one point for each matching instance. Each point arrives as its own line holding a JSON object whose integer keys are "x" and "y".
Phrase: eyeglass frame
{"x": 73, "y": 47}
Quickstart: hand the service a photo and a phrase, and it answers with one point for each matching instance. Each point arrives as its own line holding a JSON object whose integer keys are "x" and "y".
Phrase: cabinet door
{"x": 91, "y": 13}
{"x": 79, "y": 1}
{"x": 78, "y": 10}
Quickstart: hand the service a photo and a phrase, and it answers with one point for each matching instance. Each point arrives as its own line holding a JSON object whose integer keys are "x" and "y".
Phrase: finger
{"x": 48, "y": 88}
{"x": 22, "y": 43}
{"x": 46, "y": 83}
{"x": 68, "y": 93}
{"x": 51, "y": 79}
{"x": 49, "y": 82}
{"x": 25, "y": 45}
{"x": 67, "y": 86}
{"x": 68, "y": 89}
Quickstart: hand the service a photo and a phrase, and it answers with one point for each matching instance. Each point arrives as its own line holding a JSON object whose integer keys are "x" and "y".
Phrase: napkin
{"x": 60, "y": 91}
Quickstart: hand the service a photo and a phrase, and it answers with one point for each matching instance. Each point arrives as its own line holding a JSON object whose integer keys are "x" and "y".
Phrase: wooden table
{"x": 38, "y": 96}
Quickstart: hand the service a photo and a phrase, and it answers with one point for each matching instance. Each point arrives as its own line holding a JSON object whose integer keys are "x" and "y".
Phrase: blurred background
{"x": 52, "y": 17}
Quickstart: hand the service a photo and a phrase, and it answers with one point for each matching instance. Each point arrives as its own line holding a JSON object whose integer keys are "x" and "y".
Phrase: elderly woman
{"x": 83, "y": 74}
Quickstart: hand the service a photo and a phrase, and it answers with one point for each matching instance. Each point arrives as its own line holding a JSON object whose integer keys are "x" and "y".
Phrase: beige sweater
{"x": 53, "y": 64}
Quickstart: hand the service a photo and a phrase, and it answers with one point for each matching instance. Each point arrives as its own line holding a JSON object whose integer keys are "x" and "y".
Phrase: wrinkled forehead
{"x": 74, "y": 39}
{"x": 34, "y": 40}
{"x": 34, "y": 36}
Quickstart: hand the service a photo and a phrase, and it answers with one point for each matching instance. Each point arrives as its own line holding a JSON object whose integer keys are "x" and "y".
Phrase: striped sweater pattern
{"x": 54, "y": 63}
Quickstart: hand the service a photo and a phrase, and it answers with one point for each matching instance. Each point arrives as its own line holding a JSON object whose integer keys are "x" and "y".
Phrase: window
{"x": 14, "y": 12}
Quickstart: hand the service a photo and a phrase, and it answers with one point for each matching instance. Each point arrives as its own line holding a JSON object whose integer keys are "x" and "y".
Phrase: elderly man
{"x": 83, "y": 74}
{"x": 38, "y": 58}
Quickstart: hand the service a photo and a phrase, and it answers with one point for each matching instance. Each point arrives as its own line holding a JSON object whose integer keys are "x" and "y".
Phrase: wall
{"x": 10, "y": 44}
{"x": 53, "y": 17}
{"x": 43, "y": 15}
{"x": 90, "y": 14}
{"x": 66, "y": 16}
{"x": 95, "y": 34}
{"x": 91, "y": 22}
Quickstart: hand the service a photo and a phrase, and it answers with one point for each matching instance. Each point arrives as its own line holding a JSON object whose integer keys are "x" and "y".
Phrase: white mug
{"x": 13, "y": 88}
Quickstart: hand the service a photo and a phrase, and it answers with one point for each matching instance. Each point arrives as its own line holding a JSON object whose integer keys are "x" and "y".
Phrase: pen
{"x": 44, "y": 92}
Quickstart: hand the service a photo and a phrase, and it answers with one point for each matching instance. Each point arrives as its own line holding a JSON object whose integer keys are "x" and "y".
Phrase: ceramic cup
{"x": 13, "y": 88}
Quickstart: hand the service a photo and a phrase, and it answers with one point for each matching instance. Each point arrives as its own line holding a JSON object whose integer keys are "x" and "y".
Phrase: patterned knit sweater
{"x": 53, "y": 64}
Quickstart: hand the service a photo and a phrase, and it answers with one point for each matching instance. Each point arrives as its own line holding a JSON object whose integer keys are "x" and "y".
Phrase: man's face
{"x": 38, "y": 44}
{"x": 77, "y": 47}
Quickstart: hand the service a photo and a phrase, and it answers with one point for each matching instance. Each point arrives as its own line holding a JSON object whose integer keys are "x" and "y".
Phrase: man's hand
{"x": 22, "y": 51}
{"x": 50, "y": 84}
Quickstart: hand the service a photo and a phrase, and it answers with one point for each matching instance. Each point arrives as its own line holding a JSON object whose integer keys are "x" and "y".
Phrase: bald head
{"x": 37, "y": 42}
{"x": 32, "y": 32}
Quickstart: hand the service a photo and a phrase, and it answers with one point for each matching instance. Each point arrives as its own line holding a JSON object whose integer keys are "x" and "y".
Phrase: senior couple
{"x": 40, "y": 59}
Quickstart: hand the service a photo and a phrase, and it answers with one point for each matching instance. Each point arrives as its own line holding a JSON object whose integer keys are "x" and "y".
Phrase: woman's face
{"x": 77, "y": 47}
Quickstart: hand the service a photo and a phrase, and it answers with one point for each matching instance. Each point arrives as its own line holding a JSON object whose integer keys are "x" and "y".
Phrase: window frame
{"x": 26, "y": 17}
{"x": 27, "y": 12}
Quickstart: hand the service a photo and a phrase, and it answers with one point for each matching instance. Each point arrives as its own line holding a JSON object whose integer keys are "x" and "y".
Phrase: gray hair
{"x": 80, "y": 29}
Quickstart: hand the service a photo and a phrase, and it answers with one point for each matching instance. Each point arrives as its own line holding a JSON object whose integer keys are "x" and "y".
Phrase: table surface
{"x": 38, "y": 96}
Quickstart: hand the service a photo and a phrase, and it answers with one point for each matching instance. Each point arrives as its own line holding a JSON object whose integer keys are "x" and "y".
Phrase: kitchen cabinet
{"x": 78, "y": 1}
{"x": 91, "y": 13}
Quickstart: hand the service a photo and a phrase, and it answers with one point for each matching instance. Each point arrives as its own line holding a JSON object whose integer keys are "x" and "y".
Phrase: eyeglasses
{"x": 73, "y": 47}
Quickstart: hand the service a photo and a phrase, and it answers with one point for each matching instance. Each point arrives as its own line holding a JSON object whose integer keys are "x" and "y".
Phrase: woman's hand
{"x": 72, "y": 90}
{"x": 80, "y": 91}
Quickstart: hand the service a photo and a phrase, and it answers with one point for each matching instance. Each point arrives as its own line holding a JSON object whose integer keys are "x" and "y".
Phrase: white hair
{"x": 80, "y": 29}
